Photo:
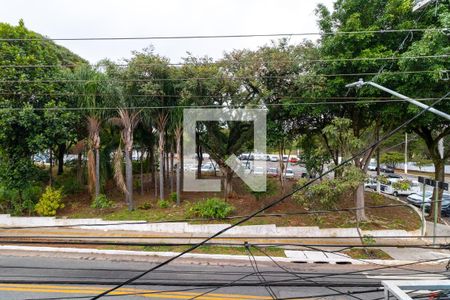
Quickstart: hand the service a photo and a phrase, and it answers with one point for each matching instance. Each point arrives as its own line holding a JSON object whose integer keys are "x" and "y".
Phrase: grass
{"x": 358, "y": 253}
{"x": 207, "y": 249}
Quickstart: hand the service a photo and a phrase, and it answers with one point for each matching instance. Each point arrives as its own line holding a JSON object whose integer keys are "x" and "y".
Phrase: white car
{"x": 259, "y": 171}
{"x": 289, "y": 174}
{"x": 372, "y": 166}
{"x": 274, "y": 158}
{"x": 389, "y": 189}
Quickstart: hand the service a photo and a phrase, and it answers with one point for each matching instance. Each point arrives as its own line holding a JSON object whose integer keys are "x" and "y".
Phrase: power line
{"x": 183, "y": 37}
{"x": 211, "y": 106}
{"x": 217, "y": 62}
{"x": 288, "y": 76}
{"x": 271, "y": 204}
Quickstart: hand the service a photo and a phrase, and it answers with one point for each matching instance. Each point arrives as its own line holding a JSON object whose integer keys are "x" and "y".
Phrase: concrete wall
{"x": 200, "y": 229}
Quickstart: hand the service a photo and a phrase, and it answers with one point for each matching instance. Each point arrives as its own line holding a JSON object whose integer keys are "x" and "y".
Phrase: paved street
{"x": 37, "y": 277}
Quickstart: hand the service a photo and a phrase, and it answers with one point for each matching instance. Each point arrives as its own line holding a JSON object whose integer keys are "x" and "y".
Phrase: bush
{"x": 211, "y": 208}
{"x": 402, "y": 185}
{"x": 325, "y": 194}
{"x": 145, "y": 206}
{"x": 163, "y": 203}
{"x": 173, "y": 197}
{"x": 271, "y": 189}
{"x": 68, "y": 184}
{"x": 50, "y": 202}
{"x": 101, "y": 202}
{"x": 30, "y": 196}
{"x": 16, "y": 202}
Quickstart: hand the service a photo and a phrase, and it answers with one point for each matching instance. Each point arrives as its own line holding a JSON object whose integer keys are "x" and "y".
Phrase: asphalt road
{"x": 37, "y": 277}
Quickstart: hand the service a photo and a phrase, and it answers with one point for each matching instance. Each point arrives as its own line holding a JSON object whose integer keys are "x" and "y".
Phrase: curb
{"x": 218, "y": 256}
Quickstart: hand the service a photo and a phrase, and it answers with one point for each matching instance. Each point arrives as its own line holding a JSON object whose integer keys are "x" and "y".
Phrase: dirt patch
{"x": 367, "y": 254}
{"x": 379, "y": 217}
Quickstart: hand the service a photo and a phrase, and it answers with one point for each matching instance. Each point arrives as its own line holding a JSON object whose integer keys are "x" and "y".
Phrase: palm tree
{"x": 127, "y": 120}
{"x": 91, "y": 89}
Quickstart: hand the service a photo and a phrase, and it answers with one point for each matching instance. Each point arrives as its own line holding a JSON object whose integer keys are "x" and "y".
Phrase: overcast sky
{"x": 107, "y": 18}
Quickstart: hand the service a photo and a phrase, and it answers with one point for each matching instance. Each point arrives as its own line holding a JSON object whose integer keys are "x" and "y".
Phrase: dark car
{"x": 386, "y": 169}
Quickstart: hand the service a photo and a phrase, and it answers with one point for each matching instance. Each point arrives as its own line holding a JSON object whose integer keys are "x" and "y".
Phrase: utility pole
{"x": 406, "y": 153}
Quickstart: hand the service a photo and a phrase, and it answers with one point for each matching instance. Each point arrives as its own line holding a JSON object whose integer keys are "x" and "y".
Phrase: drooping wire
{"x": 345, "y": 162}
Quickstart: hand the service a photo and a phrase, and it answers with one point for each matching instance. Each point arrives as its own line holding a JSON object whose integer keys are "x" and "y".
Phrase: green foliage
{"x": 163, "y": 203}
{"x": 173, "y": 197}
{"x": 147, "y": 205}
{"x": 325, "y": 194}
{"x": 102, "y": 202}
{"x": 368, "y": 240}
{"x": 271, "y": 189}
{"x": 214, "y": 208}
{"x": 19, "y": 201}
{"x": 68, "y": 184}
{"x": 25, "y": 131}
{"x": 383, "y": 179}
{"x": 392, "y": 158}
{"x": 314, "y": 155}
{"x": 378, "y": 199}
{"x": 50, "y": 202}
{"x": 402, "y": 185}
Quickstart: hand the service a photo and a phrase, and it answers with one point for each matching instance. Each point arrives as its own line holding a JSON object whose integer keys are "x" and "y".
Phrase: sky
{"x": 108, "y": 18}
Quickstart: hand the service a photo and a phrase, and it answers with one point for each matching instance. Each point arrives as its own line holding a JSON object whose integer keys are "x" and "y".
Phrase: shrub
{"x": 402, "y": 185}
{"x": 49, "y": 202}
{"x": 101, "y": 202}
{"x": 173, "y": 197}
{"x": 271, "y": 189}
{"x": 325, "y": 194}
{"x": 378, "y": 199}
{"x": 163, "y": 203}
{"x": 145, "y": 206}
{"x": 68, "y": 184}
{"x": 16, "y": 202}
{"x": 30, "y": 196}
{"x": 211, "y": 208}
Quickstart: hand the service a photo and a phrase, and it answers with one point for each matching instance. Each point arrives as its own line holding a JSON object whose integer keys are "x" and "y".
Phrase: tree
{"x": 127, "y": 120}
{"x": 25, "y": 94}
{"x": 392, "y": 158}
{"x": 93, "y": 92}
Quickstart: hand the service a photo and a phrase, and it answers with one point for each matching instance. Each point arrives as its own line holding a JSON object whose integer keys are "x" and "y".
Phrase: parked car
{"x": 417, "y": 198}
{"x": 371, "y": 183}
{"x": 372, "y": 166}
{"x": 259, "y": 171}
{"x": 274, "y": 158}
{"x": 293, "y": 159}
{"x": 389, "y": 188}
{"x": 272, "y": 172}
{"x": 289, "y": 174}
{"x": 445, "y": 206}
{"x": 208, "y": 168}
{"x": 386, "y": 169}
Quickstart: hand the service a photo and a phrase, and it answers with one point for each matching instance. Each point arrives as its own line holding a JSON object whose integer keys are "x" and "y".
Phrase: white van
{"x": 389, "y": 189}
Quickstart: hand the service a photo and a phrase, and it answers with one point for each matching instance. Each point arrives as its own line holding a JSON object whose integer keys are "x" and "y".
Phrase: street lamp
{"x": 361, "y": 83}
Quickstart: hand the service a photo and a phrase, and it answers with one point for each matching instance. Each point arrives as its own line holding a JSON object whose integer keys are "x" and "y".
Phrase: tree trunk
{"x": 129, "y": 178}
{"x": 151, "y": 164}
{"x": 171, "y": 168}
{"x": 439, "y": 175}
{"x": 61, "y": 152}
{"x": 97, "y": 171}
{"x": 161, "y": 164}
{"x": 142, "y": 172}
{"x": 228, "y": 181}
{"x": 179, "y": 166}
{"x": 359, "y": 200}
{"x": 51, "y": 167}
{"x": 79, "y": 168}
{"x": 281, "y": 164}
